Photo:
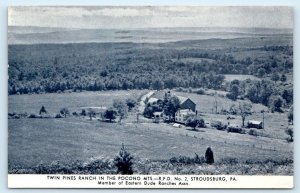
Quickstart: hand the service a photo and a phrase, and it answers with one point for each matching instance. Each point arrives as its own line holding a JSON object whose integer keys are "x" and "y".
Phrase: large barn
{"x": 186, "y": 103}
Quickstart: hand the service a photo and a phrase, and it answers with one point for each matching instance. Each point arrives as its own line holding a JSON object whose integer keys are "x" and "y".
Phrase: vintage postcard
{"x": 150, "y": 97}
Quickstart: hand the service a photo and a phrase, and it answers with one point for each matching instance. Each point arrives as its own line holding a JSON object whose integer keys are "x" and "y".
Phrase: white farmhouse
{"x": 182, "y": 115}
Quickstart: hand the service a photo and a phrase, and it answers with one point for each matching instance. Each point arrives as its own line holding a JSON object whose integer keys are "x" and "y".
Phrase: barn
{"x": 186, "y": 103}
{"x": 255, "y": 124}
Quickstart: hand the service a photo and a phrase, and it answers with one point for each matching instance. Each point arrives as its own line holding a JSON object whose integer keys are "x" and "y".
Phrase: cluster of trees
{"x": 120, "y": 108}
{"x": 169, "y": 106}
{"x": 264, "y": 91}
{"x": 108, "y": 66}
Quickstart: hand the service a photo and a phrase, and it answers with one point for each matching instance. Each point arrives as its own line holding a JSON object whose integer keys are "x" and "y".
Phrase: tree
{"x": 43, "y": 110}
{"x": 64, "y": 111}
{"x": 171, "y": 106}
{"x": 261, "y": 72}
{"x": 290, "y": 133}
{"x": 233, "y": 110}
{"x": 291, "y": 115}
{"x": 276, "y": 103}
{"x": 131, "y": 103}
{"x": 244, "y": 110}
{"x": 209, "y": 156}
{"x": 234, "y": 92}
{"x": 91, "y": 113}
{"x": 194, "y": 121}
{"x": 287, "y": 95}
{"x": 124, "y": 161}
{"x": 110, "y": 114}
{"x": 283, "y": 78}
{"x": 275, "y": 77}
{"x": 216, "y": 102}
{"x": 157, "y": 84}
{"x": 121, "y": 109}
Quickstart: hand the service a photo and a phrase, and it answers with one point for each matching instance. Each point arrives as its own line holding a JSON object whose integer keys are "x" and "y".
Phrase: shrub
{"x": 290, "y": 115}
{"x": 64, "y": 111}
{"x": 253, "y": 132}
{"x": 233, "y": 110}
{"x": 236, "y": 130}
{"x": 195, "y": 122}
{"x": 110, "y": 114}
{"x": 218, "y": 125}
{"x": 83, "y": 112}
{"x": 33, "y": 116}
{"x": 188, "y": 160}
{"x": 131, "y": 103}
{"x": 74, "y": 114}
{"x": 124, "y": 161}
{"x": 200, "y": 91}
{"x": 57, "y": 116}
{"x": 209, "y": 156}
{"x": 290, "y": 133}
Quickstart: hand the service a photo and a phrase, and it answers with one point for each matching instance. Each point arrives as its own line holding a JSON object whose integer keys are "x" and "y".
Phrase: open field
{"x": 35, "y": 141}
{"x": 73, "y": 101}
{"x": 46, "y": 140}
{"x": 241, "y": 77}
{"x": 206, "y": 103}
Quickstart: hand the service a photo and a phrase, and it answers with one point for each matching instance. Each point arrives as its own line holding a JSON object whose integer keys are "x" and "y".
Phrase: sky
{"x": 150, "y": 17}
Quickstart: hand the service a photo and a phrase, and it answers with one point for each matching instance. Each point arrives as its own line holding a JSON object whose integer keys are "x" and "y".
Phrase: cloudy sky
{"x": 154, "y": 17}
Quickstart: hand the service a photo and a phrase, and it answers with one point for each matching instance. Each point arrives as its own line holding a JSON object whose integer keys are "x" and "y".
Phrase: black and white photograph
{"x": 204, "y": 92}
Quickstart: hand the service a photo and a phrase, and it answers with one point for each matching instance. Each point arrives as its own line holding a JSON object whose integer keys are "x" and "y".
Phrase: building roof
{"x": 157, "y": 113}
{"x": 152, "y": 100}
{"x": 186, "y": 111}
{"x": 182, "y": 99}
{"x": 255, "y": 122}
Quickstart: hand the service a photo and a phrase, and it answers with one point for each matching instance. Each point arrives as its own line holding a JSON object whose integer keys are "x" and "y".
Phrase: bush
{"x": 58, "y": 116}
{"x": 124, "y": 161}
{"x": 290, "y": 133}
{"x": 34, "y": 116}
{"x": 75, "y": 114}
{"x": 218, "y": 125}
{"x": 209, "y": 156}
{"x": 200, "y": 91}
{"x": 253, "y": 132}
{"x": 236, "y": 130}
{"x": 83, "y": 112}
{"x": 64, "y": 111}
{"x": 195, "y": 122}
{"x": 131, "y": 103}
{"x": 275, "y": 103}
{"x": 188, "y": 160}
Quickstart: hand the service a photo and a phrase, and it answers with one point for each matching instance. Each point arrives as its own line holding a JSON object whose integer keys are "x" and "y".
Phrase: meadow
{"x": 53, "y": 102}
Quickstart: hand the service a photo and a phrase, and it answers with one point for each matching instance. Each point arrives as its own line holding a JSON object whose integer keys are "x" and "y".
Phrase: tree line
{"x": 76, "y": 67}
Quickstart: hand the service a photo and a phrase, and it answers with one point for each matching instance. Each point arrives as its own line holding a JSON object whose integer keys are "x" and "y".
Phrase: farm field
{"x": 35, "y": 141}
{"x": 83, "y": 139}
{"x": 206, "y": 103}
{"x": 53, "y": 102}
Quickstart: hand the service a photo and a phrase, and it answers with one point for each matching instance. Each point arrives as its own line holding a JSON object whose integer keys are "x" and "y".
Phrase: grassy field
{"x": 35, "y": 141}
{"x": 206, "y": 103}
{"x": 53, "y": 102}
{"x": 45, "y": 140}
{"x": 231, "y": 77}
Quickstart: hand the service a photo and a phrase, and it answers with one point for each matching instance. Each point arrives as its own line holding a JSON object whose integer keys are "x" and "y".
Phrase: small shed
{"x": 255, "y": 124}
{"x": 177, "y": 125}
{"x": 157, "y": 116}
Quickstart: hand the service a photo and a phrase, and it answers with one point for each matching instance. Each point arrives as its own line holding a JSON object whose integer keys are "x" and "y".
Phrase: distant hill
{"x": 37, "y": 35}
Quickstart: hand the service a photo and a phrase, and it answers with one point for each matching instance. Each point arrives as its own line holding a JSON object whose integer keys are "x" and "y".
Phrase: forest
{"x": 49, "y": 68}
